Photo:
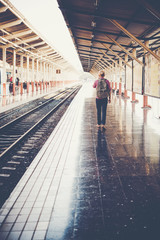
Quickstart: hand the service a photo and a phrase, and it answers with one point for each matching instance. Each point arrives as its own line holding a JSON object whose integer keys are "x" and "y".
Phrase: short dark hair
{"x": 101, "y": 73}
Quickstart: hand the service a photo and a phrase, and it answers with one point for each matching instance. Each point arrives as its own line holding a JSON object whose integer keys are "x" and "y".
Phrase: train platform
{"x": 88, "y": 183}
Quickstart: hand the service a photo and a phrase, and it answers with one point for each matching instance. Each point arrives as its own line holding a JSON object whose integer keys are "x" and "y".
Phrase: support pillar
{"x": 21, "y": 75}
{"x": 4, "y": 73}
{"x": 37, "y": 77}
{"x": 120, "y": 88}
{"x": 125, "y": 90}
{"x": 115, "y": 86}
{"x": 32, "y": 84}
{"x": 44, "y": 75}
{"x": 145, "y": 102}
{"x": 120, "y": 73}
{"x": 14, "y": 71}
{"x": 33, "y": 81}
{"x": 112, "y": 85}
{"x": 145, "y": 98}
{"x": 134, "y": 100}
{"x": 4, "y": 89}
{"x": 27, "y": 74}
{"x": 21, "y": 88}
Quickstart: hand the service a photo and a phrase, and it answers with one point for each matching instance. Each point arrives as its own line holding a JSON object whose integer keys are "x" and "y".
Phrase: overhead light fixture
{"x": 93, "y": 24}
{"x": 96, "y": 3}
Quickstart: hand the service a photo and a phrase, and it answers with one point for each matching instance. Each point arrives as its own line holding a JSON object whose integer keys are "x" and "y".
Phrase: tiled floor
{"x": 91, "y": 184}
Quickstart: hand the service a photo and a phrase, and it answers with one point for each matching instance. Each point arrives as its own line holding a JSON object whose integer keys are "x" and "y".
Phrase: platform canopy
{"x": 16, "y": 33}
{"x": 106, "y": 31}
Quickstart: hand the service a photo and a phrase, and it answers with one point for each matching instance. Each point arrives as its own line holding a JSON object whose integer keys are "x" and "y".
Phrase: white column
{"x": 22, "y": 70}
{"x": 4, "y": 76}
{"x": 52, "y": 73}
{"x": 41, "y": 75}
{"x": 33, "y": 70}
{"x": 44, "y": 72}
{"x": 48, "y": 67}
{"x": 37, "y": 75}
{"x": 27, "y": 77}
{"x": 14, "y": 66}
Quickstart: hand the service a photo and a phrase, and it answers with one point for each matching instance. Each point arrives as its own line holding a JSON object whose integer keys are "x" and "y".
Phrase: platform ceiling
{"x": 16, "y": 33}
{"x": 98, "y": 29}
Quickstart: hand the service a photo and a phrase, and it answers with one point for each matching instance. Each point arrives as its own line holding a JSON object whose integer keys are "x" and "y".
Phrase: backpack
{"x": 102, "y": 89}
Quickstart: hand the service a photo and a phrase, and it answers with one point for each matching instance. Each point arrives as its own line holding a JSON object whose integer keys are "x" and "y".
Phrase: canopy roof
{"x": 16, "y": 33}
{"x": 104, "y": 31}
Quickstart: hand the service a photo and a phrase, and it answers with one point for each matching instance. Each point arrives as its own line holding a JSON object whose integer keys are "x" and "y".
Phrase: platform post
{"x": 115, "y": 85}
{"x": 125, "y": 94}
{"x": 14, "y": 71}
{"x": 120, "y": 88}
{"x": 4, "y": 89}
{"x": 3, "y": 77}
{"x": 145, "y": 98}
{"x": 125, "y": 90}
{"x": 112, "y": 85}
{"x": 145, "y": 102}
{"x": 14, "y": 89}
{"x": 40, "y": 84}
{"x": 36, "y": 86}
{"x": 32, "y": 83}
{"x": 27, "y": 87}
{"x": 21, "y": 88}
{"x": 27, "y": 74}
{"x": 134, "y": 100}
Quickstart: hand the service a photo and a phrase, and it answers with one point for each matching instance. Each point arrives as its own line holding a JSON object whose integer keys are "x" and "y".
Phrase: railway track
{"x": 22, "y": 138}
{"x": 15, "y": 131}
{"x": 15, "y": 112}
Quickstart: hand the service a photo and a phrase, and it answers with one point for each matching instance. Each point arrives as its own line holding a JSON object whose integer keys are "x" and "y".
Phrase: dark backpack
{"x": 102, "y": 89}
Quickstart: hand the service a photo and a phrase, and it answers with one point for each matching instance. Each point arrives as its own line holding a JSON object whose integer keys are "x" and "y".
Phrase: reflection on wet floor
{"x": 112, "y": 190}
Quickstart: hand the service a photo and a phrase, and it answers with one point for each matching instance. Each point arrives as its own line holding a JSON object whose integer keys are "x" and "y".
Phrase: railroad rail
{"x": 17, "y": 129}
{"x": 23, "y": 137}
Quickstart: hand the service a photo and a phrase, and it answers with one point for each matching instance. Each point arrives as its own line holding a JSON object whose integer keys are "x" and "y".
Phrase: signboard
{"x": 137, "y": 76}
{"x": 128, "y": 78}
{"x": 152, "y": 75}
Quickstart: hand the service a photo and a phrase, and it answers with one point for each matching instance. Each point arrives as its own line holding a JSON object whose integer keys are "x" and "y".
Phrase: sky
{"x": 47, "y": 19}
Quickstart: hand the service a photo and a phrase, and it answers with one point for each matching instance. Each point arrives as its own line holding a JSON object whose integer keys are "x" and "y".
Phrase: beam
{"x": 10, "y": 24}
{"x": 107, "y": 62}
{"x": 112, "y": 59}
{"x": 80, "y": 45}
{"x": 149, "y": 8}
{"x": 116, "y": 54}
{"x": 17, "y": 34}
{"x": 22, "y": 41}
{"x": 35, "y": 45}
{"x": 3, "y": 9}
{"x": 99, "y": 41}
{"x": 111, "y": 33}
{"x": 134, "y": 38}
{"x": 126, "y": 51}
{"x": 100, "y": 15}
{"x": 98, "y": 59}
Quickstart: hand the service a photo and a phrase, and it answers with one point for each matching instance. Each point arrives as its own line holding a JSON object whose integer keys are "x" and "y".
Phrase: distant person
{"x": 103, "y": 91}
{"x": 17, "y": 81}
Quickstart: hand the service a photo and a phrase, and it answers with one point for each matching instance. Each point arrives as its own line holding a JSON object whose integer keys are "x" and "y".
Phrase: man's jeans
{"x": 101, "y": 105}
